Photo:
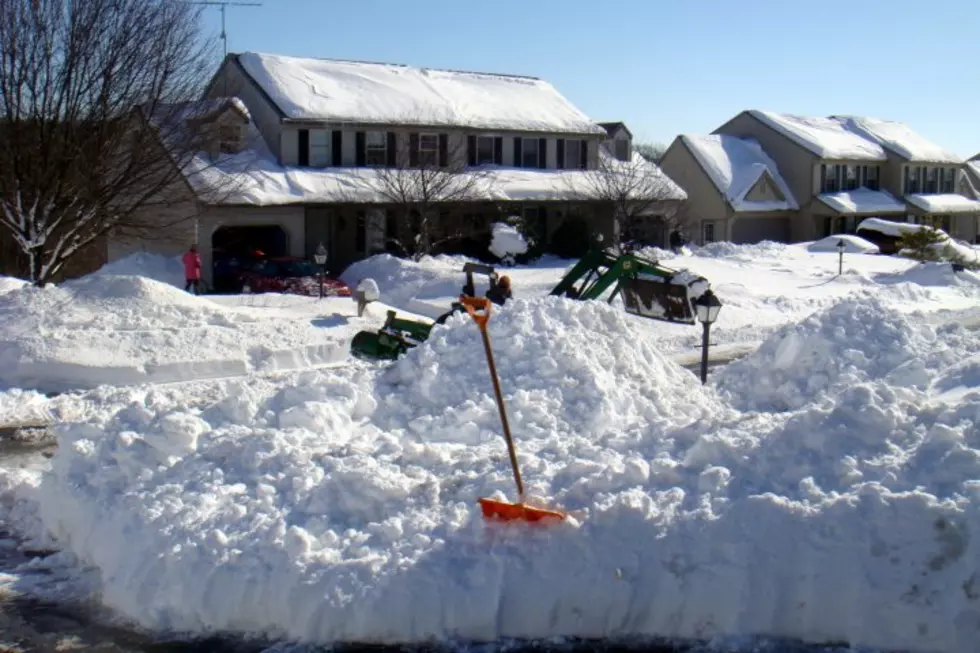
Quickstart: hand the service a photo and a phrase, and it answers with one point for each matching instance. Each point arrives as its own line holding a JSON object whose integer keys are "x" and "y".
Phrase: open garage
{"x": 235, "y": 246}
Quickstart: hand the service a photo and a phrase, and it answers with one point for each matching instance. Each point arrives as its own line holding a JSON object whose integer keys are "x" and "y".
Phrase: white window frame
{"x": 483, "y": 140}
{"x": 573, "y": 162}
{"x": 373, "y": 150}
{"x": 428, "y": 156}
{"x": 319, "y": 148}
{"x": 534, "y": 152}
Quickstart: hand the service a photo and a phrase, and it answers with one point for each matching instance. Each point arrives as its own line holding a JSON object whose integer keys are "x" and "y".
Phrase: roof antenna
{"x": 224, "y": 4}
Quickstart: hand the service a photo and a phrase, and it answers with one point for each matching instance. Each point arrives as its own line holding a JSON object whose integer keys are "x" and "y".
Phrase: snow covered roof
{"x": 202, "y": 109}
{"x": 348, "y": 91}
{"x": 974, "y": 167}
{"x": 826, "y": 137}
{"x": 862, "y": 200}
{"x": 255, "y": 177}
{"x": 735, "y": 166}
{"x": 944, "y": 203}
{"x": 899, "y": 138}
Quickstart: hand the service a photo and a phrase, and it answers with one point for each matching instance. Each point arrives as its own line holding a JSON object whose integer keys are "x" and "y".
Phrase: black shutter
{"x": 584, "y": 150}
{"x": 471, "y": 149}
{"x": 498, "y": 150}
{"x": 360, "y": 235}
{"x": 443, "y": 150}
{"x": 336, "y": 147}
{"x": 413, "y": 149}
{"x": 361, "y": 152}
{"x": 542, "y": 152}
{"x": 561, "y": 154}
{"x": 304, "y": 147}
{"x": 391, "y": 151}
{"x": 517, "y": 152}
{"x": 823, "y": 176}
{"x": 542, "y": 226}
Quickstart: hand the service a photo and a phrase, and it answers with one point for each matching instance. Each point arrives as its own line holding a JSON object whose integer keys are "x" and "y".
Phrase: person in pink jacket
{"x": 192, "y": 269}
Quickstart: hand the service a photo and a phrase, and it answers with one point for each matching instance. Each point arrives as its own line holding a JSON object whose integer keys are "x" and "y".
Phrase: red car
{"x": 292, "y": 276}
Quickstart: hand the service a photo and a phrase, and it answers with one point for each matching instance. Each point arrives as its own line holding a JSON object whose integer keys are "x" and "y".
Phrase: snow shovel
{"x": 493, "y": 509}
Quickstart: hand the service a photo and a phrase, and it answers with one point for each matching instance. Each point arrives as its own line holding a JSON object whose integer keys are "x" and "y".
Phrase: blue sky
{"x": 663, "y": 67}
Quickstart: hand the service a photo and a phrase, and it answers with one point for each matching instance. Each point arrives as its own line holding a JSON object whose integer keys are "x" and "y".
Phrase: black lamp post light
{"x": 841, "y": 246}
{"x": 320, "y": 256}
{"x": 707, "y": 307}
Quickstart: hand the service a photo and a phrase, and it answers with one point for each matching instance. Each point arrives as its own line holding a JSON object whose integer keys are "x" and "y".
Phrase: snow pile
{"x": 735, "y": 166}
{"x": 342, "y": 505}
{"x": 852, "y": 245}
{"x": 507, "y": 242}
{"x": 933, "y": 274}
{"x": 10, "y": 283}
{"x": 122, "y": 330}
{"x": 856, "y": 341}
{"x": 400, "y": 280}
{"x": 347, "y": 91}
{"x": 765, "y": 249}
{"x": 165, "y": 269}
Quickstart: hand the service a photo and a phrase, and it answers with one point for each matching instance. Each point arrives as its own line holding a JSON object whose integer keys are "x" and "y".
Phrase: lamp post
{"x": 841, "y": 246}
{"x": 707, "y": 307}
{"x": 320, "y": 256}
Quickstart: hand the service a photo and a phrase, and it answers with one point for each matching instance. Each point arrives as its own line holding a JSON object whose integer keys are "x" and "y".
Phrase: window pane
{"x": 428, "y": 142}
{"x": 573, "y": 153}
{"x": 529, "y": 153}
{"x": 376, "y": 139}
{"x": 484, "y": 150}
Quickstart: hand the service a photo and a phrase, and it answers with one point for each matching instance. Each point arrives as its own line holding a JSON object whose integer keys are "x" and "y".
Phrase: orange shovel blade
{"x": 504, "y": 511}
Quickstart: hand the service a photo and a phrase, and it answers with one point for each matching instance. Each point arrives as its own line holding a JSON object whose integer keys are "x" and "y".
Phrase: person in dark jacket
{"x": 500, "y": 292}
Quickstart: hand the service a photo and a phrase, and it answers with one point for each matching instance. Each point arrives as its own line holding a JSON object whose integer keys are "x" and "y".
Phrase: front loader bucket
{"x": 375, "y": 346}
{"x": 657, "y": 300}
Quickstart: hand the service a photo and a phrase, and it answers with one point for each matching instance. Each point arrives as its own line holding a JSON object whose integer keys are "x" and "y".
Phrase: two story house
{"x": 307, "y": 149}
{"x": 838, "y": 170}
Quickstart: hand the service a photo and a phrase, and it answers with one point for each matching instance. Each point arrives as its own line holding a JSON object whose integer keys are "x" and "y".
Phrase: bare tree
{"x": 80, "y": 82}
{"x": 426, "y": 180}
{"x": 636, "y": 193}
{"x": 652, "y": 152}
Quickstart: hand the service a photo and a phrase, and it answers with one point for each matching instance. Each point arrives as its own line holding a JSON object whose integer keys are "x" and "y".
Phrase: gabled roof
{"x": 612, "y": 127}
{"x": 898, "y": 138}
{"x": 735, "y": 166}
{"x": 326, "y": 90}
{"x": 826, "y": 137}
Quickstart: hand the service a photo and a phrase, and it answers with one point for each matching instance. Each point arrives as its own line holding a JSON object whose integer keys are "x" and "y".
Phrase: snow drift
{"x": 165, "y": 269}
{"x": 343, "y": 505}
{"x": 123, "y": 330}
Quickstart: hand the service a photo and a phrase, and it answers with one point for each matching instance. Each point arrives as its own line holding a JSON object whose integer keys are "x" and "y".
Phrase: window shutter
{"x": 391, "y": 151}
{"x": 361, "y": 152}
{"x": 471, "y": 150}
{"x": 304, "y": 147}
{"x": 584, "y": 155}
{"x": 518, "y": 163}
{"x": 542, "y": 152}
{"x": 560, "y": 164}
{"x": 336, "y": 147}
{"x": 443, "y": 150}
{"x": 413, "y": 149}
{"x": 498, "y": 150}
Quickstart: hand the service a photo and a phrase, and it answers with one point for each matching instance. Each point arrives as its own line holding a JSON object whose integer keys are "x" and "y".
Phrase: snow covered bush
{"x": 507, "y": 242}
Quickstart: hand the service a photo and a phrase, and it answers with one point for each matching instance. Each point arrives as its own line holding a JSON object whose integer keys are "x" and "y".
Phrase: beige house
{"x": 838, "y": 170}
{"x": 307, "y": 149}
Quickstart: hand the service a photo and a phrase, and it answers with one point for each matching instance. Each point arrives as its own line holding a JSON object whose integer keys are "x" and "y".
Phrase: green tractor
{"x": 649, "y": 290}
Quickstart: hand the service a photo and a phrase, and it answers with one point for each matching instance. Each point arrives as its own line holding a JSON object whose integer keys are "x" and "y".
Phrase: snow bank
{"x": 763, "y": 250}
{"x": 856, "y": 341}
{"x": 341, "y": 506}
{"x": 933, "y": 274}
{"x": 123, "y": 330}
{"x": 507, "y": 242}
{"x": 852, "y": 245}
{"x": 165, "y": 269}
{"x": 11, "y": 283}
{"x": 400, "y": 280}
